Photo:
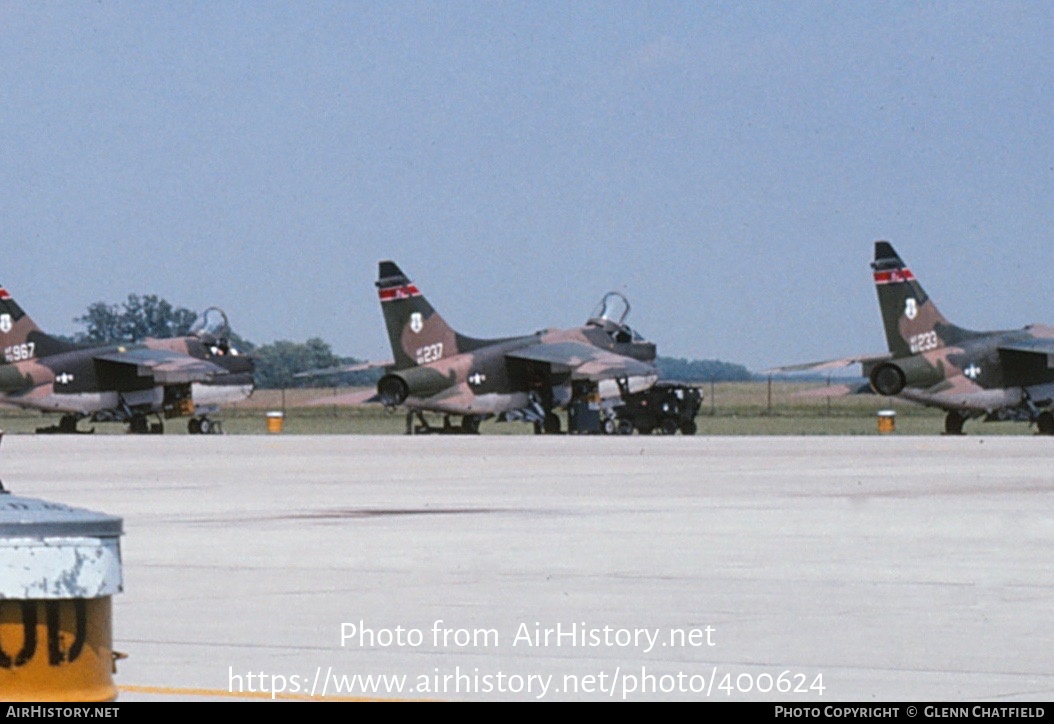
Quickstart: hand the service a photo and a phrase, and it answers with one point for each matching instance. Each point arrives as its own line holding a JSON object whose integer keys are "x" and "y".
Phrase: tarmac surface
{"x": 572, "y": 568}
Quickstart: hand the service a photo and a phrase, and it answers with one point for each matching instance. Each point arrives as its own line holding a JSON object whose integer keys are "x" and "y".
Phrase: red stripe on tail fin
{"x": 393, "y": 293}
{"x": 892, "y": 276}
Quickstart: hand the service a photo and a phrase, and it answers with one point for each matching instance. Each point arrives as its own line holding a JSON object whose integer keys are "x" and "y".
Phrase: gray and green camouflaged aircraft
{"x": 188, "y": 376}
{"x": 993, "y": 375}
{"x": 524, "y": 378}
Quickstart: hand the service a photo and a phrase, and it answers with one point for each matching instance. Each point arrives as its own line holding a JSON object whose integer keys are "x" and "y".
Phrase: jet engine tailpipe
{"x": 890, "y": 378}
{"x": 392, "y": 390}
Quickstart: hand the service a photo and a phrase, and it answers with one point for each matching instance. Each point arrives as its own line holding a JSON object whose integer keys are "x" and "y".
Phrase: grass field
{"x": 729, "y": 408}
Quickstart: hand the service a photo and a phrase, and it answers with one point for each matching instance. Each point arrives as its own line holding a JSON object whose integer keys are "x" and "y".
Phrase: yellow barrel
{"x": 56, "y": 650}
{"x": 274, "y": 421}
{"x": 887, "y": 421}
{"x": 59, "y": 567}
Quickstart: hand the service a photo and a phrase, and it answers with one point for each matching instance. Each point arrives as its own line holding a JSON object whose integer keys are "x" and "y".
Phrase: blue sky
{"x": 727, "y": 166}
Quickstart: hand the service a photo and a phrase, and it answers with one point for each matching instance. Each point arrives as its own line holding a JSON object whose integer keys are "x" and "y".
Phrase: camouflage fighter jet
{"x": 995, "y": 375}
{"x": 178, "y": 377}
{"x": 525, "y": 378}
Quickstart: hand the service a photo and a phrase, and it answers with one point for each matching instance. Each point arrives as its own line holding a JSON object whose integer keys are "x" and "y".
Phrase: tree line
{"x": 278, "y": 363}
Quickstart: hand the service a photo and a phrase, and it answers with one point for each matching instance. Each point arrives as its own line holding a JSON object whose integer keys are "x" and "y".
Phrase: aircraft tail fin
{"x": 417, "y": 332}
{"x": 912, "y": 321}
{"x": 20, "y": 337}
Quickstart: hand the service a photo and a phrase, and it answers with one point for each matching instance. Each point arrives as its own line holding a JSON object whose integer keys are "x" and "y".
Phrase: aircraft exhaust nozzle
{"x": 395, "y": 387}
{"x": 890, "y": 378}
{"x": 887, "y": 379}
{"x": 392, "y": 390}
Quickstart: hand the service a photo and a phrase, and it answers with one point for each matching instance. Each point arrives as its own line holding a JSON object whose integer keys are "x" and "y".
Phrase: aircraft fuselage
{"x": 77, "y": 382}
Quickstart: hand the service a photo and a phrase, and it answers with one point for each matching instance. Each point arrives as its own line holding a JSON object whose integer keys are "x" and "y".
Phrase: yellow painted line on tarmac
{"x": 220, "y": 693}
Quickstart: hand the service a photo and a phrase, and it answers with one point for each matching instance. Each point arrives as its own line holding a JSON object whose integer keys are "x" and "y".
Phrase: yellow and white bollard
{"x": 274, "y": 421}
{"x": 887, "y": 421}
{"x": 59, "y": 568}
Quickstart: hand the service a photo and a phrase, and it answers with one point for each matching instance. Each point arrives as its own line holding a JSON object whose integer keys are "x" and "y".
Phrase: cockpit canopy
{"x": 213, "y": 329}
{"x": 610, "y": 315}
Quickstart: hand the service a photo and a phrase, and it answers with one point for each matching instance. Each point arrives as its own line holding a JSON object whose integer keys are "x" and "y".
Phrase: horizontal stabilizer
{"x": 839, "y": 390}
{"x": 833, "y": 363}
{"x": 348, "y": 399}
{"x": 340, "y": 369}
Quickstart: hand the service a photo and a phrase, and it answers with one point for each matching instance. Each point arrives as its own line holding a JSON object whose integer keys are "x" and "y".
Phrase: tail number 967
{"x": 19, "y": 352}
{"x": 429, "y": 353}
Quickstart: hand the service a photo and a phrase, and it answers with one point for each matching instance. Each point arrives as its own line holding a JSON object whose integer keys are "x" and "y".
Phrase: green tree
{"x": 151, "y": 316}
{"x": 135, "y": 319}
{"x": 277, "y": 363}
{"x": 103, "y": 323}
{"x": 701, "y": 370}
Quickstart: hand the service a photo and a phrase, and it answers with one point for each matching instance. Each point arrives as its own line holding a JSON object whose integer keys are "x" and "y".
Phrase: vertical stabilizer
{"x": 417, "y": 332}
{"x": 20, "y": 337}
{"x": 912, "y": 321}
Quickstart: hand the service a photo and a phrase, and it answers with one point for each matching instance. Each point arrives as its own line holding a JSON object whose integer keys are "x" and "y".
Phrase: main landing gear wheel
{"x": 203, "y": 426}
{"x": 953, "y": 423}
{"x": 1045, "y": 422}
{"x": 470, "y": 424}
{"x": 67, "y": 426}
{"x": 689, "y": 428}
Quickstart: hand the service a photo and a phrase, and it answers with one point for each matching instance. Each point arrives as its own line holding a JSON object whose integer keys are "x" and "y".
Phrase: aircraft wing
{"x": 1039, "y": 348}
{"x": 165, "y": 367}
{"x": 585, "y": 361}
